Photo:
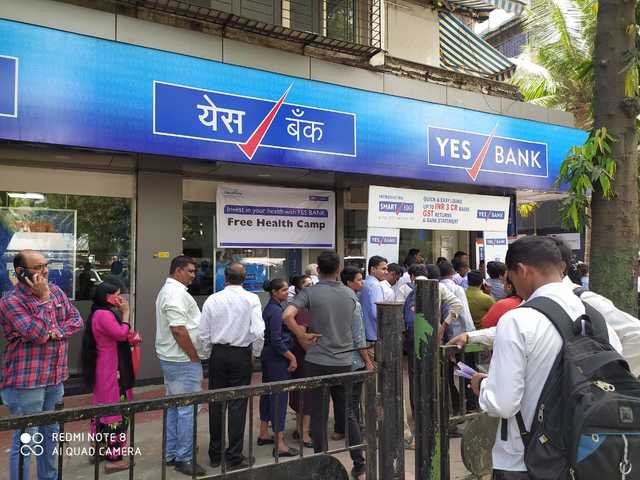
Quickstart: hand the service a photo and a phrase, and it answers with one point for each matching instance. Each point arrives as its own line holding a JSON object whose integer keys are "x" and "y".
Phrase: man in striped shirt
{"x": 37, "y": 320}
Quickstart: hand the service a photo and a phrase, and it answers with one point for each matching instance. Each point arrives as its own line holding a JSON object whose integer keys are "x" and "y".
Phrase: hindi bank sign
{"x": 432, "y": 210}
{"x": 251, "y": 216}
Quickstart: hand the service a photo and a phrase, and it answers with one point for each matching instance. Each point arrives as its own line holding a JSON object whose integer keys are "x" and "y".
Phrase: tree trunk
{"x": 615, "y": 226}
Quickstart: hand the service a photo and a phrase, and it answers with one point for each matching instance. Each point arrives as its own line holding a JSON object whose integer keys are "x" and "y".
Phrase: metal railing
{"x": 224, "y": 396}
{"x": 346, "y": 26}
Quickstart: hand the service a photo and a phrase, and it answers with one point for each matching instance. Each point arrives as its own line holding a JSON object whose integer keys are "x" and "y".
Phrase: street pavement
{"x": 148, "y": 437}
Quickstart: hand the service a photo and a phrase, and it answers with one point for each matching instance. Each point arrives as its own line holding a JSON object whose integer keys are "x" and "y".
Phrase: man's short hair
{"x": 433, "y": 272}
{"x": 349, "y": 274}
{"x": 20, "y": 260}
{"x": 234, "y": 273}
{"x": 496, "y": 269}
{"x": 180, "y": 261}
{"x": 395, "y": 268}
{"x": 565, "y": 252}
{"x": 413, "y": 252}
{"x": 328, "y": 262}
{"x": 375, "y": 261}
{"x": 446, "y": 269}
{"x": 460, "y": 254}
{"x": 440, "y": 260}
{"x": 417, "y": 269}
{"x": 474, "y": 277}
{"x": 458, "y": 264}
{"x": 533, "y": 251}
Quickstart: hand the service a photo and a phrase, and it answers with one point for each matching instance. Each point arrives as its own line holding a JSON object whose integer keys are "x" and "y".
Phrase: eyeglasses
{"x": 38, "y": 268}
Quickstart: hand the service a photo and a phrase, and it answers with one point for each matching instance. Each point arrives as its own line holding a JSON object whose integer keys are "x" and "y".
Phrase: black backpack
{"x": 587, "y": 421}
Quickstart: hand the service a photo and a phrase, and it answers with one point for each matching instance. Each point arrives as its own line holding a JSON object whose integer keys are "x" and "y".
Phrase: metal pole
{"x": 426, "y": 379}
{"x": 391, "y": 445}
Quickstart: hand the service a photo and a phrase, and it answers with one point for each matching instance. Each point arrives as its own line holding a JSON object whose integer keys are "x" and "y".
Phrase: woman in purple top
{"x": 107, "y": 368}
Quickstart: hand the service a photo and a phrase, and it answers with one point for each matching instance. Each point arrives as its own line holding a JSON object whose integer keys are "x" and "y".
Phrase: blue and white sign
{"x": 110, "y": 95}
{"x": 8, "y": 86}
{"x": 496, "y": 245}
{"x": 474, "y": 153}
{"x": 252, "y": 216}
{"x": 431, "y": 210}
{"x": 384, "y": 242}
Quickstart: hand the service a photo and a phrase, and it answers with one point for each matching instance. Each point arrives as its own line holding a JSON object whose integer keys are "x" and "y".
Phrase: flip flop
{"x": 292, "y": 452}
{"x": 265, "y": 441}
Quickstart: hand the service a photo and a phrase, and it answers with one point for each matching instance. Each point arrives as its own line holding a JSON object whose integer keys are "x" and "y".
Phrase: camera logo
{"x": 31, "y": 444}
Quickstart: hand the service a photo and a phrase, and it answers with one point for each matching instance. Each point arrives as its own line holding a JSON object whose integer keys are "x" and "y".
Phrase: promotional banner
{"x": 251, "y": 216}
{"x": 97, "y": 95}
{"x": 384, "y": 242}
{"x": 48, "y": 231}
{"x": 496, "y": 245}
{"x": 431, "y": 210}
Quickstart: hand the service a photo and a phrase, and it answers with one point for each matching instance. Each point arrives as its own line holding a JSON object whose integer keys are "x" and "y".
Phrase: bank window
{"x": 199, "y": 242}
{"x": 86, "y": 239}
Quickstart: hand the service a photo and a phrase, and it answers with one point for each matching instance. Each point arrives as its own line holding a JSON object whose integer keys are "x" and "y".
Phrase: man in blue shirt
{"x": 371, "y": 294}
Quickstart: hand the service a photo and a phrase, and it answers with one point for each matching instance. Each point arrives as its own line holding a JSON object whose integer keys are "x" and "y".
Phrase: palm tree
{"x": 557, "y": 73}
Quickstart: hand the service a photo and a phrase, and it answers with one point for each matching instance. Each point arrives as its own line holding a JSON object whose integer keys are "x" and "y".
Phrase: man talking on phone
{"x": 37, "y": 320}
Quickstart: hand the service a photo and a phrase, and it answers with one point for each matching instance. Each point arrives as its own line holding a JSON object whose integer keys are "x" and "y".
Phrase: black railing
{"x": 130, "y": 409}
{"x": 346, "y": 26}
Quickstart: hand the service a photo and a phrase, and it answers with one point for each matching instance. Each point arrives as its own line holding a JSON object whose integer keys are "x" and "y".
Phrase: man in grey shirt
{"x": 332, "y": 306}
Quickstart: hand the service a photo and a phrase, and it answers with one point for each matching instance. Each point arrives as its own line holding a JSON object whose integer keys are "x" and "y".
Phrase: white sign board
{"x": 384, "y": 242}
{"x": 431, "y": 210}
{"x": 496, "y": 245}
{"x": 269, "y": 217}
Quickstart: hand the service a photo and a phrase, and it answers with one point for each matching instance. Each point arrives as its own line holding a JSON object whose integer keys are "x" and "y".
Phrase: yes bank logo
{"x": 476, "y": 153}
{"x": 396, "y": 207}
{"x": 8, "y": 86}
{"x": 383, "y": 240}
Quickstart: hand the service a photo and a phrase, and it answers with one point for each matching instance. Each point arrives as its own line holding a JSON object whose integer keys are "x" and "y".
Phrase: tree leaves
{"x": 588, "y": 168}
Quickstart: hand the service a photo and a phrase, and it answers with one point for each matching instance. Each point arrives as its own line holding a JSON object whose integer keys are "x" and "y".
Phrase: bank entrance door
{"x": 433, "y": 243}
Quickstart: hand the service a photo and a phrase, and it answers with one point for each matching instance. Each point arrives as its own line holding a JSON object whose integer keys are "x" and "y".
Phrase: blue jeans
{"x": 24, "y": 401}
{"x": 180, "y": 377}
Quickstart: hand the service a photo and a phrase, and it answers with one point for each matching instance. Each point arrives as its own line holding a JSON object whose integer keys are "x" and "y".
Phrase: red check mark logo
{"x": 250, "y": 147}
{"x": 474, "y": 171}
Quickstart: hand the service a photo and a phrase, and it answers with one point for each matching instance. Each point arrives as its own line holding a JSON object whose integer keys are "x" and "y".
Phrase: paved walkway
{"x": 148, "y": 439}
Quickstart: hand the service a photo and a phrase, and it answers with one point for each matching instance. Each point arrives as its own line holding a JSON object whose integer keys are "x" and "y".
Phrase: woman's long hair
{"x": 89, "y": 353}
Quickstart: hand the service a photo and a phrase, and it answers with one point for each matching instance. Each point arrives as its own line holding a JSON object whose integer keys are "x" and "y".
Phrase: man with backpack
{"x": 528, "y": 347}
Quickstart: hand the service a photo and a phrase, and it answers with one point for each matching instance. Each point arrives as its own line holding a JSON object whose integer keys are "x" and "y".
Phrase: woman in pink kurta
{"x": 108, "y": 369}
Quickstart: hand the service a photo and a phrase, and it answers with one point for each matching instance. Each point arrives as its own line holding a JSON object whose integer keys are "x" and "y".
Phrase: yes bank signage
{"x": 477, "y": 153}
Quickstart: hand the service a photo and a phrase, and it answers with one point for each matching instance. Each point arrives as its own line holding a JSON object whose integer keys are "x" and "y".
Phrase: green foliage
{"x": 588, "y": 168}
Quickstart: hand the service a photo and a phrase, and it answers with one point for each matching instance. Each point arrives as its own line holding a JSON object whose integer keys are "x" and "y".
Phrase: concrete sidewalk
{"x": 148, "y": 438}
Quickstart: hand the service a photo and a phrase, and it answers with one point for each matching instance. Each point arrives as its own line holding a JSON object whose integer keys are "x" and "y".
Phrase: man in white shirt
{"x": 392, "y": 282}
{"x": 446, "y": 278}
{"x": 177, "y": 322}
{"x": 627, "y": 327}
{"x": 525, "y": 348}
{"x": 232, "y": 324}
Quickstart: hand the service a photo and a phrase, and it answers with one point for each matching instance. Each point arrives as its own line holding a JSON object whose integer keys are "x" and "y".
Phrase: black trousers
{"x": 320, "y": 413}
{"x": 505, "y": 475}
{"x": 228, "y": 367}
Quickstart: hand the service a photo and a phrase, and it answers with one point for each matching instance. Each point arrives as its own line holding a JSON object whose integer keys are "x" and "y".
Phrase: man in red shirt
{"x": 37, "y": 319}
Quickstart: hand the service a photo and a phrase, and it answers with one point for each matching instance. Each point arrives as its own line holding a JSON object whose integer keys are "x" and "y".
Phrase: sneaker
{"x": 188, "y": 468}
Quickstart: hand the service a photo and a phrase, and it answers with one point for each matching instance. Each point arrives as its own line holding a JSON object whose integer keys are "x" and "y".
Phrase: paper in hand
{"x": 464, "y": 371}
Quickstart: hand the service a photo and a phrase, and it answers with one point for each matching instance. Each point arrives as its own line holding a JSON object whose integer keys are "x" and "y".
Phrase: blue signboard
{"x": 110, "y": 95}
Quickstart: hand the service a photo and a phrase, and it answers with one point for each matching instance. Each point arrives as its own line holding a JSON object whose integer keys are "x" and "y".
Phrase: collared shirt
{"x": 497, "y": 288}
{"x": 371, "y": 293}
{"x": 627, "y": 327}
{"x": 525, "y": 348}
{"x": 389, "y": 291}
{"x": 233, "y": 317}
{"x": 460, "y": 280}
{"x": 31, "y": 359}
{"x": 175, "y": 307}
{"x": 465, "y": 315}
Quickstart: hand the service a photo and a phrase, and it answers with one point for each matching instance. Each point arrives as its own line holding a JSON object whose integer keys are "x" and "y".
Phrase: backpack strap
{"x": 557, "y": 315}
{"x": 595, "y": 323}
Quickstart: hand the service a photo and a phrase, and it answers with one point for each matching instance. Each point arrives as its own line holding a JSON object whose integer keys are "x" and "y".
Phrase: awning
{"x": 464, "y": 51}
{"x": 511, "y": 6}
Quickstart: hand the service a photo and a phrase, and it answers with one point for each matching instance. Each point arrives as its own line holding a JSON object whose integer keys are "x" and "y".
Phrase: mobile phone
{"x": 23, "y": 275}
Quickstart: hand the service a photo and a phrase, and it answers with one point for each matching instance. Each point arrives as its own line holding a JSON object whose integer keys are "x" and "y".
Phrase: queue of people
{"x": 318, "y": 323}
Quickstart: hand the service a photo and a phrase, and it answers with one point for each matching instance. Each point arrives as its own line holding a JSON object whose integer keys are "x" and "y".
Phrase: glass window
{"x": 198, "y": 242}
{"x": 86, "y": 239}
{"x": 341, "y": 19}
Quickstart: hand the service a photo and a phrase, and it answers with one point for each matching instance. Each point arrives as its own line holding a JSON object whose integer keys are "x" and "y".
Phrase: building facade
{"x": 263, "y": 132}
